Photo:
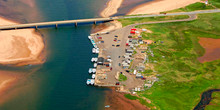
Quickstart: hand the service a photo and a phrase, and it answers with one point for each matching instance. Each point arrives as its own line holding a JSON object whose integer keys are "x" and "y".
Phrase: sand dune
{"x": 20, "y": 46}
{"x": 160, "y": 6}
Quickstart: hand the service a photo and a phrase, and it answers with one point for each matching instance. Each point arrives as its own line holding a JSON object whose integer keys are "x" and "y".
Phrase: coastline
{"x": 157, "y": 6}
{"x": 112, "y": 8}
{"x": 20, "y": 47}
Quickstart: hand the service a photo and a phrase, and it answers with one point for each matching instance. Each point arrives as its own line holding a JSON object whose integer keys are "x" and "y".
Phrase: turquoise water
{"x": 59, "y": 84}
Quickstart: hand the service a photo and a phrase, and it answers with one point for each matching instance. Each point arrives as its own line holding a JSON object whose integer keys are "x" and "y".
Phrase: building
{"x": 141, "y": 67}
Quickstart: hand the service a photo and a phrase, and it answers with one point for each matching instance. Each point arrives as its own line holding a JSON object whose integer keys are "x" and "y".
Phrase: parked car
{"x": 119, "y": 64}
{"x": 116, "y": 36}
{"x": 117, "y": 83}
{"x": 113, "y": 45}
{"x": 117, "y": 45}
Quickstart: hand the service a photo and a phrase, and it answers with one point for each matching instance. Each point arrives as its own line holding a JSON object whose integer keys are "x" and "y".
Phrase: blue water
{"x": 59, "y": 83}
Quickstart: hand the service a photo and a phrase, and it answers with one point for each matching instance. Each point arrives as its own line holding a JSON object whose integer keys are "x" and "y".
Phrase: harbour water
{"x": 60, "y": 83}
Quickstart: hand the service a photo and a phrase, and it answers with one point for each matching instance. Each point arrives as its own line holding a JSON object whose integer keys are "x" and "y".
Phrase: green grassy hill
{"x": 183, "y": 78}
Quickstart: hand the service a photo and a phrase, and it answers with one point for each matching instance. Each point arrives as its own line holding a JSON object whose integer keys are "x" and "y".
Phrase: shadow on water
{"x": 206, "y": 98}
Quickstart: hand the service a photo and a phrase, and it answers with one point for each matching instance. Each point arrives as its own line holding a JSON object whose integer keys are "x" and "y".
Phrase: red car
{"x": 117, "y": 83}
{"x": 143, "y": 78}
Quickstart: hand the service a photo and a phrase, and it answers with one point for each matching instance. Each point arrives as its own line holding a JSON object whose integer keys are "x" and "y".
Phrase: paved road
{"x": 191, "y": 17}
{"x": 56, "y": 23}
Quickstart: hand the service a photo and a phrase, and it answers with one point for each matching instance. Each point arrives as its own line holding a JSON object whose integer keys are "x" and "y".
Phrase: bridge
{"x": 94, "y": 20}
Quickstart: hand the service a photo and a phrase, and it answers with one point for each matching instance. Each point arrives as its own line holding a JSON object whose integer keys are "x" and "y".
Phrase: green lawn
{"x": 122, "y": 77}
{"x": 182, "y": 77}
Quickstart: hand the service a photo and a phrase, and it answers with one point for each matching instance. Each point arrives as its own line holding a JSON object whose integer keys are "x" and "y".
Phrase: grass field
{"x": 182, "y": 77}
{"x": 215, "y": 103}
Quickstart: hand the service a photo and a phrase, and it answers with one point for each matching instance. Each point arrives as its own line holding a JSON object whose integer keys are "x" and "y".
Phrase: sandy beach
{"x": 107, "y": 27}
{"x": 157, "y": 6}
{"x": 112, "y": 7}
{"x": 20, "y": 47}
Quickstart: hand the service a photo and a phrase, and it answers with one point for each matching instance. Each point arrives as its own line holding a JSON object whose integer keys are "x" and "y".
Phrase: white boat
{"x": 94, "y": 59}
{"x": 93, "y": 76}
{"x": 90, "y": 82}
{"x": 94, "y": 50}
{"x": 92, "y": 70}
{"x": 95, "y": 65}
{"x": 107, "y": 106}
{"x": 97, "y": 50}
{"x": 90, "y": 37}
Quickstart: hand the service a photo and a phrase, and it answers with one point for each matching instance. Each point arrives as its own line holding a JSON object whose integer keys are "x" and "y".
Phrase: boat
{"x": 97, "y": 50}
{"x": 90, "y": 82}
{"x": 92, "y": 70}
{"x": 90, "y": 37}
{"x": 94, "y": 50}
{"x": 95, "y": 65}
{"x": 93, "y": 76}
{"x": 107, "y": 106}
{"x": 94, "y": 59}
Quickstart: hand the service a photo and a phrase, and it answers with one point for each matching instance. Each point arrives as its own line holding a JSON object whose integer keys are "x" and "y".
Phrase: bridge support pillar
{"x": 95, "y": 22}
{"x": 36, "y": 27}
{"x": 76, "y": 24}
{"x": 56, "y": 26}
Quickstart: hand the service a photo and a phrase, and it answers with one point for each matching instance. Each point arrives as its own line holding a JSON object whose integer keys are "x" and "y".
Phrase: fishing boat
{"x": 92, "y": 70}
{"x": 94, "y": 50}
{"x": 90, "y": 82}
{"x": 93, "y": 76}
{"x": 94, "y": 59}
{"x": 97, "y": 50}
{"x": 107, "y": 106}
{"x": 95, "y": 65}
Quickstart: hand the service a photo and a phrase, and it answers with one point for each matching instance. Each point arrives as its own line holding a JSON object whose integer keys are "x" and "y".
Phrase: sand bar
{"x": 160, "y": 6}
{"x": 112, "y": 8}
{"x": 20, "y": 46}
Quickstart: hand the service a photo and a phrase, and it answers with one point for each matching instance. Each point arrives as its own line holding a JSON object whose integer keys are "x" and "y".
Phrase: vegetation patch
{"x": 182, "y": 78}
{"x": 122, "y": 77}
